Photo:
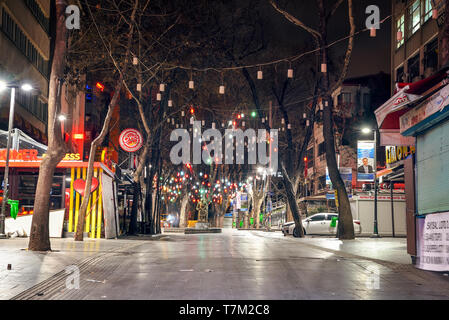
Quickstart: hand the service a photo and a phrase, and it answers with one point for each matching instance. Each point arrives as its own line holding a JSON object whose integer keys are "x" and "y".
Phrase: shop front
{"x": 424, "y": 169}
{"x": 65, "y": 198}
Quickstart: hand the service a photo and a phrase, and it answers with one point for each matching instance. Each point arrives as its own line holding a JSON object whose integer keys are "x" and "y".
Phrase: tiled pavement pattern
{"x": 232, "y": 265}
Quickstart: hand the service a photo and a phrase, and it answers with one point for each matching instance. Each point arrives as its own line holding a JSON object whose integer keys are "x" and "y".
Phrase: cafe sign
{"x": 32, "y": 155}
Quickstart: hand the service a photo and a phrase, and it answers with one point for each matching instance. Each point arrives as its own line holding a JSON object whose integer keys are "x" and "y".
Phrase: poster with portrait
{"x": 365, "y": 161}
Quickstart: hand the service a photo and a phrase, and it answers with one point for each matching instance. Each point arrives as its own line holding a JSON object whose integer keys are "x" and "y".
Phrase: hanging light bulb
{"x": 177, "y": 126}
{"x": 260, "y": 74}
{"x": 263, "y": 120}
{"x": 168, "y": 120}
{"x": 173, "y": 121}
{"x": 372, "y": 32}
{"x": 289, "y": 126}
{"x": 290, "y": 73}
{"x": 191, "y": 84}
{"x": 435, "y": 14}
{"x": 203, "y": 123}
{"x": 323, "y": 67}
{"x": 308, "y": 123}
{"x": 304, "y": 115}
{"x": 170, "y": 103}
{"x": 221, "y": 90}
{"x": 139, "y": 87}
{"x": 243, "y": 123}
{"x": 158, "y": 97}
{"x": 282, "y": 121}
{"x": 182, "y": 114}
{"x": 162, "y": 87}
{"x": 399, "y": 35}
{"x": 135, "y": 61}
{"x": 192, "y": 120}
{"x": 321, "y": 106}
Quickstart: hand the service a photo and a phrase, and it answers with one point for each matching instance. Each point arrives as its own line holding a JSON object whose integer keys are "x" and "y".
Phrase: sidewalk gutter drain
{"x": 39, "y": 294}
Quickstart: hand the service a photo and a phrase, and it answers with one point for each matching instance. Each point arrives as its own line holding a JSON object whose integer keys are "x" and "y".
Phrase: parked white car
{"x": 319, "y": 223}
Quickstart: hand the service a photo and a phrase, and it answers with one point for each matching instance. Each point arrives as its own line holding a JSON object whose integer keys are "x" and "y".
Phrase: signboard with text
{"x": 433, "y": 243}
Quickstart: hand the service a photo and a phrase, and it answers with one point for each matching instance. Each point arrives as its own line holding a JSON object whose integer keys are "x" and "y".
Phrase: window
{"x": 400, "y": 74}
{"x": 330, "y": 216}
{"x": 344, "y": 97}
{"x": 413, "y": 68}
{"x": 318, "y": 217}
{"x": 38, "y": 14}
{"x": 431, "y": 55}
{"x": 427, "y": 10}
{"x": 366, "y": 101}
{"x": 18, "y": 38}
{"x": 415, "y": 17}
{"x": 321, "y": 149}
{"x": 400, "y": 27}
{"x": 321, "y": 182}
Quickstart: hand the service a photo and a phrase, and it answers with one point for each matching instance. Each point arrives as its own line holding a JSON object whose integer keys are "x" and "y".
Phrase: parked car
{"x": 319, "y": 223}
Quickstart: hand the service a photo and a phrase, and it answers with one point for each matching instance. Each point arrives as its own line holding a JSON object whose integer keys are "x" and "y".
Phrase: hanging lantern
{"x": 323, "y": 67}
{"x": 289, "y": 126}
{"x": 213, "y": 125}
{"x": 162, "y": 87}
{"x": 135, "y": 61}
{"x": 173, "y": 121}
{"x": 434, "y": 14}
{"x": 182, "y": 126}
{"x": 168, "y": 120}
{"x": 191, "y": 84}
{"x": 263, "y": 120}
{"x": 182, "y": 113}
{"x": 290, "y": 73}
{"x": 203, "y": 123}
{"x": 139, "y": 87}
{"x": 192, "y": 120}
{"x": 259, "y": 75}
{"x": 282, "y": 121}
{"x": 304, "y": 115}
{"x": 158, "y": 97}
{"x": 222, "y": 125}
{"x": 399, "y": 35}
{"x": 177, "y": 126}
{"x": 321, "y": 106}
{"x": 372, "y": 32}
{"x": 308, "y": 123}
{"x": 170, "y": 103}
{"x": 243, "y": 123}
{"x": 221, "y": 90}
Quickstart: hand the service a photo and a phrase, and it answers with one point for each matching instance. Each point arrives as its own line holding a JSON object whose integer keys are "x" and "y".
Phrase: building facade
{"x": 414, "y": 40}
{"x": 25, "y": 56}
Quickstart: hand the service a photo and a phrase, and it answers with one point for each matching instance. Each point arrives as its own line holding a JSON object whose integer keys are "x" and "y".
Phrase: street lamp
{"x": 13, "y": 87}
{"x": 368, "y": 131}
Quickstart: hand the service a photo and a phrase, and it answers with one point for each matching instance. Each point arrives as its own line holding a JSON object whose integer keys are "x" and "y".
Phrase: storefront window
{"x": 431, "y": 55}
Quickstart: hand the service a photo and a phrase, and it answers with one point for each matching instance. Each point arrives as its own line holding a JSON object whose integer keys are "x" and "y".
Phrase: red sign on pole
{"x": 131, "y": 140}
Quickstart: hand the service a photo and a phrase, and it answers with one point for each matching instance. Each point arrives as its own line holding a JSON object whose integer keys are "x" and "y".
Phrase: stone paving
{"x": 232, "y": 265}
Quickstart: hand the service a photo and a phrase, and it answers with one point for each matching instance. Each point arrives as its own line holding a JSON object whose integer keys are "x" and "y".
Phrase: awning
{"x": 388, "y": 115}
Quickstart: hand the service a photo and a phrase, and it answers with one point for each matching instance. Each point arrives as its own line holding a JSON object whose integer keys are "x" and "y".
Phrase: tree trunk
{"x": 183, "y": 211}
{"x": 133, "y": 223}
{"x": 345, "y": 224}
{"x": 291, "y": 198}
{"x": 39, "y": 235}
{"x": 90, "y": 166}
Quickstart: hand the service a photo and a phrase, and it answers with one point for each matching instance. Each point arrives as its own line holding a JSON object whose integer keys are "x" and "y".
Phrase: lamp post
{"x": 13, "y": 87}
{"x": 375, "y": 227}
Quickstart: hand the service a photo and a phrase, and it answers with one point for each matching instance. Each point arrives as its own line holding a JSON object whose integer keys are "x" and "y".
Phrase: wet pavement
{"x": 231, "y": 265}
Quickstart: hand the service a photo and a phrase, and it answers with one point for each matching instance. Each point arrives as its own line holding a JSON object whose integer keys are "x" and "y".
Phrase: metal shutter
{"x": 433, "y": 170}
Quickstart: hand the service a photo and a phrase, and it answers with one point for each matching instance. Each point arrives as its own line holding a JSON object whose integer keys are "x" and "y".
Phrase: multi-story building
{"x": 414, "y": 40}
{"x": 25, "y": 56}
{"x": 354, "y": 103}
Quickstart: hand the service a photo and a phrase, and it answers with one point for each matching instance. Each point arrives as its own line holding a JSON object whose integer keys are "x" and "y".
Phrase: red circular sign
{"x": 130, "y": 140}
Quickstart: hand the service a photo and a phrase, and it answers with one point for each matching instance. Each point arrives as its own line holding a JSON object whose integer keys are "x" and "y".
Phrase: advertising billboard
{"x": 365, "y": 161}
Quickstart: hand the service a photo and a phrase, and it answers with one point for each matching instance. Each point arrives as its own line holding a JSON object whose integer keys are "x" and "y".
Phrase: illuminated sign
{"x": 32, "y": 155}
{"x": 394, "y": 154}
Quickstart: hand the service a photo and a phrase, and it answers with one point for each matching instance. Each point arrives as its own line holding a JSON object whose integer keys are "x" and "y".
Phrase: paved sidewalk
{"x": 30, "y": 268}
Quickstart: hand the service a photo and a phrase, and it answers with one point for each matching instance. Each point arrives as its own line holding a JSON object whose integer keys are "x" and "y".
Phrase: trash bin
{"x": 14, "y": 208}
{"x": 334, "y": 222}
